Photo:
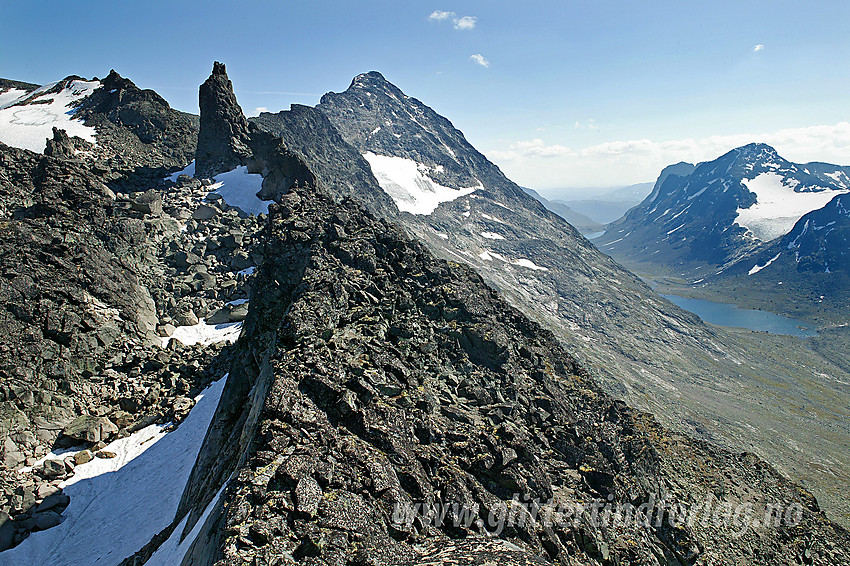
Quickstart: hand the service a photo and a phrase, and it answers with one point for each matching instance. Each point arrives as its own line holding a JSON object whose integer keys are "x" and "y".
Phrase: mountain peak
{"x": 372, "y": 81}
{"x": 756, "y": 150}
{"x": 219, "y": 69}
{"x": 371, "y": 76}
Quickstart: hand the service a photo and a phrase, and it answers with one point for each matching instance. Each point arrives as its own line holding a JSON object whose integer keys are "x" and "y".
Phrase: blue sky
{"x": 574, "y": 93}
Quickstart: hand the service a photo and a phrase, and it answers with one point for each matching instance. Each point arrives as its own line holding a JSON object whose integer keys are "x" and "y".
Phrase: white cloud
{"x": 440, "y": 15}
{"x": 479, "y": 58}
{"x": 259, "y": 109}
{"x": 466, "y": 22}
{"x": 590, "y": 124}
{"x": 758, "y": 48}
{"x": 460, "y": 23}
{"x": 534, "y": 163}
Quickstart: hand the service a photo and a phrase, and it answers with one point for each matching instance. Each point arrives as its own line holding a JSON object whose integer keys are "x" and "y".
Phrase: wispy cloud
{"x": 259, "y": 110}
{"x": 440, "y": 15}
{"x": 466, "y": 22}
{"x": 535, "y": 163}
{"x": 589, "y": 124}
{"x": 479, "y": 58}
{"x": 460, "y": 23}
{"x": 758, "y": 48}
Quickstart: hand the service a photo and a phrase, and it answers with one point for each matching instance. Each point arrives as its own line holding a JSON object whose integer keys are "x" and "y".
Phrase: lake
{"x": 726, "y": 314}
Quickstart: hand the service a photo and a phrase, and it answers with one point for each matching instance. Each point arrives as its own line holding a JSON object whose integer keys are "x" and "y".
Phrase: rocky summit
{"x": 393, "y": 398}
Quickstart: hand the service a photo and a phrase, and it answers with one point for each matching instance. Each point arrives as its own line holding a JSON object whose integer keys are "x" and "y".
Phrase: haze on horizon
{"x": 558, "y": 94}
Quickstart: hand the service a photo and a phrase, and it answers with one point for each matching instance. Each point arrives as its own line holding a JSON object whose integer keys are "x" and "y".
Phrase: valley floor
{"x": 792, "y": 409}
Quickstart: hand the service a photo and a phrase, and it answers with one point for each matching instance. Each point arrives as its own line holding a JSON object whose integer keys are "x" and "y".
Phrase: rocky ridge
{"x": 699, "y": 379}
{"x": 371, "y": 376}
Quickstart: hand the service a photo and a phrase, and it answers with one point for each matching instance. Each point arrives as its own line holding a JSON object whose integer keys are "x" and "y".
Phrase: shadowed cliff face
{"x": 378, "y": 379}
{"x": 224, "y": 136}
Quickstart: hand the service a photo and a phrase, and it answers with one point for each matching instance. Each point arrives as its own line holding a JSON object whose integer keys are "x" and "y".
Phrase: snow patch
{"x": 698, "y": 193}
{"x": 529, "y": 264}
{"x": 487, "y": 255}
{"x": 29, "y": 126}
{"x": 11, "y": 96}
{"x": 118, "y": 504}
{"x": 492, "y": 236}
{"x": 756, "y": 268}
{"x": 172, "y": 551}
{"x": 239, "y": 188}
{"x": 493, "y": 218}
{"x": 408, "y": 185}
{"x": 205, "y": 334}
{"x": 188, "y": 170}
{"x": 778, "y": 206}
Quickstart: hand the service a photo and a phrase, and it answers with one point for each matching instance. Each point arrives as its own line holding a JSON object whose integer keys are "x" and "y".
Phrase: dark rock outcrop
{"x": 337, "y": 164}
{"x": 9, "y": 84}
{"x": 224, "y": 136}
{"x": 139, "y": 136}
{"x": 227, "y": 140}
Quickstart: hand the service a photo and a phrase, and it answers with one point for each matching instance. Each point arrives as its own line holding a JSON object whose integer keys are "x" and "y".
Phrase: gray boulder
{"x": 149, "y": 202}
{"x": 90, "y": 428}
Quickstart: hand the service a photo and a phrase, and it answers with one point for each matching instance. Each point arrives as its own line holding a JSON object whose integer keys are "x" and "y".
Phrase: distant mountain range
{"x": 747, "y": 219}
{"x": 601, "y": 206}
{"x": 582, "y": 223}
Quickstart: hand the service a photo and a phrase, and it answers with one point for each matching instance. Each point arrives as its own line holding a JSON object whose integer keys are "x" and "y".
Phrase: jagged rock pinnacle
{"x": 224, "y": 135}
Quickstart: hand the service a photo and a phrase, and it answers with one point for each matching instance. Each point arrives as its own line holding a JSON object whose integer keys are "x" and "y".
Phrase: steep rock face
{"x": 376, "y": 378}
{"x": 375, "y": 115}
{"x": 337, "y": 165}
{"x": 227, "y": 140}
{"x": 224, "y": 136}
{"x": 821, "y": 240}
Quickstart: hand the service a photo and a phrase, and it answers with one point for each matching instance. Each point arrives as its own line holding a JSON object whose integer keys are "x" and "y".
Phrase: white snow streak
{"x": 407, "y": 183}
{"x": 756, "y": 268}
{"x": 492, "y": 236}
{"x": 172, "y": 551}
{"x": 529, "y": 264}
